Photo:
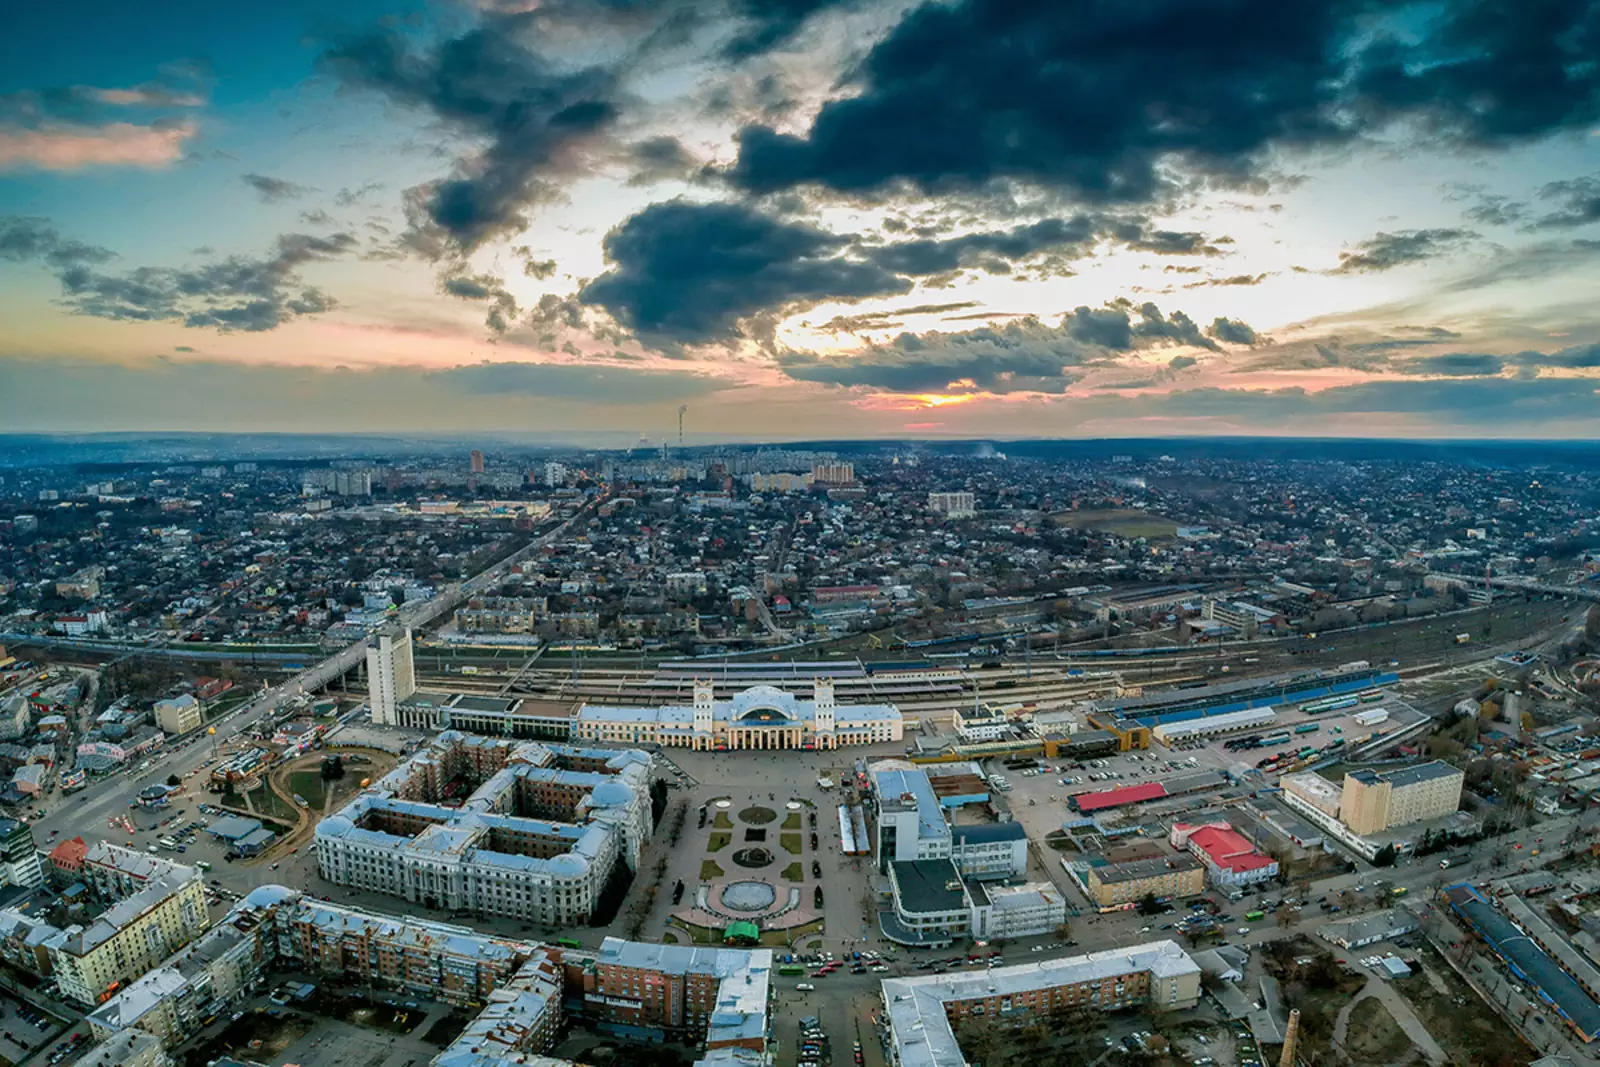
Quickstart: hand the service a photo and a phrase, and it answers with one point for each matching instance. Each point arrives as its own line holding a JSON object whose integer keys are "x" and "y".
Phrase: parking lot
{"x": 23, "y": 1029}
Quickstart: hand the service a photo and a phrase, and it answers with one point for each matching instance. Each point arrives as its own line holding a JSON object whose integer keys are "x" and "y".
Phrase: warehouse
{"x": 1213, "y": 725}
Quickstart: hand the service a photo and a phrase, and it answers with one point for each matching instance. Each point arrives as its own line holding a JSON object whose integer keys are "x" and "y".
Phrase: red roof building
{"x": 1087, "y": 803}
{"x": 67, "y": 857}
{"x": 1228, "y": 855}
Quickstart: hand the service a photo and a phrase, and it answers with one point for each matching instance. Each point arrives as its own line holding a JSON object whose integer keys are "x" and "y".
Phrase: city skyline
{"x": 803, "y": 219}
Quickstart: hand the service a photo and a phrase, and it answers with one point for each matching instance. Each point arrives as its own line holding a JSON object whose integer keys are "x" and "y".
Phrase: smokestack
{"x": 1291, "y": 1038}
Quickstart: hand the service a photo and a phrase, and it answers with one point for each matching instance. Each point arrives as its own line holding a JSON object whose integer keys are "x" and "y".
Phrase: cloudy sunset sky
{"x": 803, "y": 218}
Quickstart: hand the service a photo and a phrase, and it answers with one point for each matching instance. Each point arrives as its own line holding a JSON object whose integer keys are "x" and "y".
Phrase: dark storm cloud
{"x": 658, "y": 159}
{"x": 532, "y": 265}
{"x": 502, "y": 313}
{"x": 1173, "y": 243}
{"x": 1122, "y": 326}
{"x": 242, "y": 293}
{"x": 1106, "y": 101}
{"x": 769, "y": 24}
{"x": 1232, "y": 280}
{"x": 1579, "y": 200}
{"x": 1020, "y": 356}
{"x": 26, "y": 239}
{"x": 690, "y": 273}
{"x": 1232, "y": 331}
{"x": 1497, "y": 211}
{"x": 1452, "y": 365}
{"x": 534, "y": 114}
{"x": 992, "y": 252}
{"x": 1385, "y": 251}
{"x": 274, "y": 190}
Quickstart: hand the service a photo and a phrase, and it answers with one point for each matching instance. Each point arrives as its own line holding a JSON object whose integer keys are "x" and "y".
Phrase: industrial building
{"x": 536, "y": 834}
{"x": 1232, "y": 722}
{"x": 924, "y": 1014}
{"x": 761, "y": 717}
{"x": 1527, "y": 960}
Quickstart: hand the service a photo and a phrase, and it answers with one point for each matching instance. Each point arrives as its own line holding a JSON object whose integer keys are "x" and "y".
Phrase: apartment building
{"x": 179, "y": 715}
{"x": 112, "y": 871}
{"x": 956, "y": 505}
{"x": 19, "y": 857}
{"x": 924, "y": 1013}
{"x": 537, "y": 836}
{"x": 130, "y": 937}
{"x": 1374, "y": 801}
{"x": 675, "y": 992}
{"x": 1114, "y": 886}
{"x": 716, "y": 998}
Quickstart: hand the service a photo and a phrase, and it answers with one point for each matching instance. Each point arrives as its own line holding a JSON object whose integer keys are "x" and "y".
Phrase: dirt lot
{"x": 1124, "y": 522}
{"x": 1375, "y": 1038}
{"x": 1470, "y": 1031}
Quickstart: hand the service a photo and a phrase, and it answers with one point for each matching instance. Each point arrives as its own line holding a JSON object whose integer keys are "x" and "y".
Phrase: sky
{"x": 803, "y": 218}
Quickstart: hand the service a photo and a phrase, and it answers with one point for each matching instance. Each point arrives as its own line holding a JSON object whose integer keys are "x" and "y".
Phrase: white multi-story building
{"x": 390, "y": 676}
{"x": 555, "y": 474}
{"x": 960, "y": 505}
{"x": 923, "y": 1014}
{"x": 761, "y": 717}
{"x": 1016, "y": 910}
{"x": 537, "y": 838}
{"x": 911, "y": 825}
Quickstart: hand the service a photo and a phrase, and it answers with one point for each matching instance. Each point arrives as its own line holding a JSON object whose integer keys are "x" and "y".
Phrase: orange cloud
{"x": 116, "y": 144}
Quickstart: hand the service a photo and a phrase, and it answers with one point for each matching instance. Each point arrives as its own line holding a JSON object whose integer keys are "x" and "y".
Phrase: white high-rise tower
{"x": 390, "y": 676}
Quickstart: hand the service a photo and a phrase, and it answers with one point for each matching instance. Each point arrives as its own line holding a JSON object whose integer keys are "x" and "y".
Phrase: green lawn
{"x": 719, "y": 842}
{"x": 792, "y": 822}
{"x": 721, "y": 821}
{"x": 709, "y": 871}
{"x": 790, "y": 843}
{"x": 794, "y": 872}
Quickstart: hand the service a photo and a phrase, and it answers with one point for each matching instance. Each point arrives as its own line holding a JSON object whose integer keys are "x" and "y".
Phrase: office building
{"x": 536, "y": 836}
{"x": 476, "y": 461}
{"x": 19, "y": 858}
{"x": 761, "y": 717}
{"x": 179, "y": 715}
{"x": 1374, "y": 801}
{"x": 1009, "y": 911}
{"x": 925, "y": 1014}
{"x": 130, "y": 937}
{"x": 1115, "y": 886}
{"x": 952, "y": 505}
{"x": 911, "y": 825}
{"x": 555, "y": 475}
{"x": 390, "y": 675}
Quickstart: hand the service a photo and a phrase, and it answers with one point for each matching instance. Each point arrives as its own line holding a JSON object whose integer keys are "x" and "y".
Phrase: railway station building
{"x": 761, "y": 717}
